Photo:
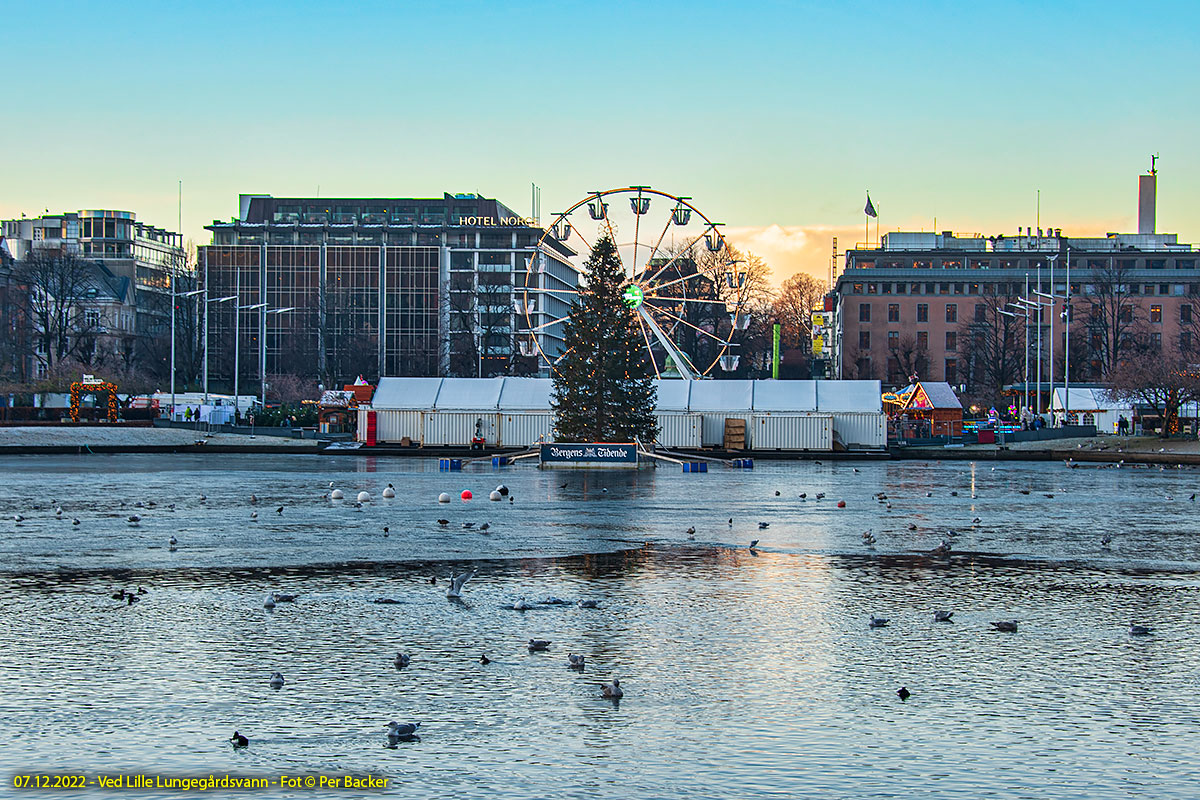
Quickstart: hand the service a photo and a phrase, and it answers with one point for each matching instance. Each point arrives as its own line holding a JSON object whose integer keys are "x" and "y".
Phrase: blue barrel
{"x": 449, "y": 464}
{"x": 695, "y": 466}
{"x": 499, "y": 461}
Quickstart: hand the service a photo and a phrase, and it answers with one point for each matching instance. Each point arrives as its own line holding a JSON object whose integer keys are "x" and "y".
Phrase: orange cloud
{"x": 789, "y": 249}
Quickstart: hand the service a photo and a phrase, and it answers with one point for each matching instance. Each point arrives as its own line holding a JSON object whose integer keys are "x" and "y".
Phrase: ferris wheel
{"x": 687, "y": 294}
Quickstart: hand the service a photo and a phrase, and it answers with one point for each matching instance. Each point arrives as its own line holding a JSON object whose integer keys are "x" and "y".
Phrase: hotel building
{"x": 379, "y": 286}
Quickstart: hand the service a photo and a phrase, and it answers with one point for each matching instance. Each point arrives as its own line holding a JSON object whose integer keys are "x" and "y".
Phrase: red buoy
{"x": 466, "y": 495}
{"x": 841, "y": 503}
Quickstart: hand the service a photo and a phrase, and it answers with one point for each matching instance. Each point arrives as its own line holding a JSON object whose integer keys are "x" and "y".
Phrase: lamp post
{"x": 1029, "y": 305}
{"x": 263, "y": 351}
{"x": 1023, "y": 315}
{"x": 207, "y": 300}
{"x": 175, "y": 299}
{"x": 237, "y": 349}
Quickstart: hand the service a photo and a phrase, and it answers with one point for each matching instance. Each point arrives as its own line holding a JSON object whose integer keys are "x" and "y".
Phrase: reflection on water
{"x": 745, "y": 673}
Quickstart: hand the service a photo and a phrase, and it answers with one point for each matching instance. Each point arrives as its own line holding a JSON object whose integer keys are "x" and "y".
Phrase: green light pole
{"x": 775, "y": 351}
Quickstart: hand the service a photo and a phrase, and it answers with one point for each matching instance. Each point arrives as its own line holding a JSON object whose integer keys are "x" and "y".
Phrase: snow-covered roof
{"x": 846, "y": 396}
{"x": 533, "y": 394}
{"x": 1089, "y": 400}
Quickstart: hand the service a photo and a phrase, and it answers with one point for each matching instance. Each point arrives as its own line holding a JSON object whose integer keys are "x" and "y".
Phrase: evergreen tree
{"x": 603, "y": 390}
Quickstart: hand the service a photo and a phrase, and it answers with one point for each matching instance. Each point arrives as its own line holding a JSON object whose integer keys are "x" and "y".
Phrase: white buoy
{"x": 494, "y": 496}
{"x": 336, "y": 494}
{"x": 364, "y": 497}
{"x": 444, "y": 497}
{"x": 389, "y": 492}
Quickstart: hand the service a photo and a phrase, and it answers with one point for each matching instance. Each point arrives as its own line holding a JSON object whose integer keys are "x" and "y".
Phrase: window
{"x": 943, "y": 288}
{"x": 1156, "y": 341}
{"x": 893, "y": 312}
{"x": 1185, "y": 341}
{"x": 864, "y": 340}
{"x": 980, "y": 312}
{"x": 1185, "y": 263}
{"x": 887, "y": 288}
{"x": 901, "y": 288}
{"x": 1185, "y": 313}
{"x": 1157, "y": 263}
{"x": 864, "y": 312}
{"x": 951, "y": 340}
{"x": 951, "y": 312}
{"x": 893, "y": 339}
{"x": 1156, "y": 313}
{"x": 857, "y": 289}
{"x": 872, "y": 289}
{"x": 1126, "y": 315}
{"x": 922, "y": 312}
{"x": 951, "y": 370}
{"x": 922, "y": 340}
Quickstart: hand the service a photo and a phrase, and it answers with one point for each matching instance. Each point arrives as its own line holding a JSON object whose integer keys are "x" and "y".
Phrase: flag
{"x": 870, "y": 209}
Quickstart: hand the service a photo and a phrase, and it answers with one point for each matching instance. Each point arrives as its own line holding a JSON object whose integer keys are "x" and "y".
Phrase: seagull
{"x": 402, "y": 733}
{"x": 942, "y": 616}
{"x": 253, "y": 515}
{"x": 856, "y": 469}
{"x": 575, "y": 661}
{"x": 485, "y": 527}
{"x": 483, "y": 659}
{"x": 691, "y": 531}
{"x": 731, "y": 522}
{"x": 539, "y": 645}
{"x": 385, "y": 531}
{"x": 762, "y": 526}
{"x": 1106, "y": 540}
{"x": 284, "y": 598}
{"x": 521, "y": 605}
{"x": 912, "y": 526}
{"x": 589, "y": 603}
{"x": 1007, "y": 626}
{"x": 279, "y": 511}
{"x": 401, "y": 660}
{"x": 820, "y": 495}
{"x": 976, "y": 521}
{"x": 75, "y": 522}
{"x": 612, "y": 690}
{"x": 878, "y": 622}
{"x": 172, "y": 544}
{"x": 903, "y": 693}
{"x": 269, "y": 601}
{"x": 456, "y": 584}
{"x": 468, "y": 524}
{"x": 803, "y": 495}
{"x": 239, "y": 740}
{"x": 276, "y": 680}
{"x": 942, "y": 549}
{"x": 753, "y": 543}
{"x": 134, "y": 519}
{"x": 1139, "y": 630}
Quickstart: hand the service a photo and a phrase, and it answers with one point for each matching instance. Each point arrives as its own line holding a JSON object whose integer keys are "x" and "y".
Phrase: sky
{"x": 776, "y": 117}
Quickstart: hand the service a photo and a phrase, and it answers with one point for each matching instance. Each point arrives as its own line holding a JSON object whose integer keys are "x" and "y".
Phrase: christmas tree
{"x": 602, "y": 386}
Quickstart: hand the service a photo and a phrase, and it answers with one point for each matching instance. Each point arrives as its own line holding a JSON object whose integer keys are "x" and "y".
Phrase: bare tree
{"x": 991, "y": 343}
{"x": 1112, "y": 324}
{"x": 909, "y": 359}
{"x": 1163, "y": 379}
{"x": 63, "y": 308}
{"x": 798, "y": 297}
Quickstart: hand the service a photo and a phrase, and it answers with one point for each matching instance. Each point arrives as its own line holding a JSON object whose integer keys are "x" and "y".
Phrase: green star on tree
{"x": 603, "y": 391}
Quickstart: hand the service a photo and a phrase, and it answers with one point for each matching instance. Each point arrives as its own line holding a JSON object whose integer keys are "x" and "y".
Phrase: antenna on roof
{"x": 1153, "y": 168}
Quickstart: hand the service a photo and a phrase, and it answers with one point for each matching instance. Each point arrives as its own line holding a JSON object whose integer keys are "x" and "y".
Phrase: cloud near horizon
{"x": 789, "y": 249}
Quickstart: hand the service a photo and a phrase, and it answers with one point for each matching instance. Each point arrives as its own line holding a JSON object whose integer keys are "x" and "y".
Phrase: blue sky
{"x": 775, "y": 117}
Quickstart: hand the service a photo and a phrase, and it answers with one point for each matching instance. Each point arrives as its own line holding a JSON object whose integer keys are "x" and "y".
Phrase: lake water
{"x": 747, "y": 674}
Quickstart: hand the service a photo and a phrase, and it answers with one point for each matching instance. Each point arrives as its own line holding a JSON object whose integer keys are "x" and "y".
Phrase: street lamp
{"x": 237, "y": 339}
{"x": 206, "y": 302}
{"x": 1023, "y": 315}
{"x": 263, "y": 351}
{"x": 175, "y": 299}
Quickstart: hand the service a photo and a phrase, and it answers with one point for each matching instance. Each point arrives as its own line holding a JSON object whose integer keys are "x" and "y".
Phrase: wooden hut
{"x": 929, "y": 409}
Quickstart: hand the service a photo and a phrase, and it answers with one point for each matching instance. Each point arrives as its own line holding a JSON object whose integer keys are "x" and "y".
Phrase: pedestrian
{"x": 187, "y": 413}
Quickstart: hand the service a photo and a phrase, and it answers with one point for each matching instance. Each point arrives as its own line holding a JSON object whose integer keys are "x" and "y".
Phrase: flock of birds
{"x": 397, "y": 732}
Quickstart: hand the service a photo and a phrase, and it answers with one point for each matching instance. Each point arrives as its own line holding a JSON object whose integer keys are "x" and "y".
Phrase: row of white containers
{"x": 690, "y": 431}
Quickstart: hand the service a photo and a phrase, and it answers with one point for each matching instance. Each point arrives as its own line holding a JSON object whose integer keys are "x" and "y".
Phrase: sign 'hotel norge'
{"x": 493, "y": 222}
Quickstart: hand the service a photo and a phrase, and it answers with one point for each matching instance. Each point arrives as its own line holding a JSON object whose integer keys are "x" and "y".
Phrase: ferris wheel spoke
{"x": 686, "y": 367}
{"x": 563, "y": 355}
{"x": 536, "y": 328}
{"x": 649, "y": 349}
{"x": 686, "y": 248}
{"x": 690, "y": 325}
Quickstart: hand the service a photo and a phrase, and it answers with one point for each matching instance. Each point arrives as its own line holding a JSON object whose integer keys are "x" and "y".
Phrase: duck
{"x": 276, "y": 680}
{"x": 691, "y": 532}
{"x": 443, "y": 522}
{"x": 762, "y": 526}
{"x": 521, "y": 605}
{"x": 1106, "y": 540}
{"x": 903, "y": 693}
{"x": 75, "y": 522}
{"x": 589, "y": 603}
{"x": 539, "y": 645}
{"x": 468, "y": 525}
{"x": 1007, "y": 626}
{"x": 133, "y": 519}
{"x": 239, "y": 740}
{"x": 1139, "y": 630}
{"x": 402, "y": 733}
{"x": 613, "y": 690}
{"x": 753, "y": 544}
{"x": 483, "y": 659}
{"x": 942, "y": 616}
{"x": 401, "y": 660}
{"x": 878, "y": 622}
{"x": 575, "y": 661}
{"x": 279, "y": 511}
{"x": 253, "y": 515}
{"x": 284, "y": 598}
{"x": 485, "y": 527}
{"x": 172, "y": 544}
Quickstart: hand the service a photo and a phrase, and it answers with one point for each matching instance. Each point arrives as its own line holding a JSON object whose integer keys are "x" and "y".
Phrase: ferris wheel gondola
{"x": 689, "y": 300}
